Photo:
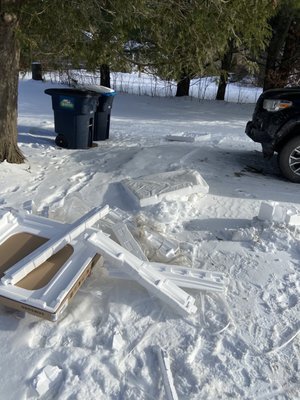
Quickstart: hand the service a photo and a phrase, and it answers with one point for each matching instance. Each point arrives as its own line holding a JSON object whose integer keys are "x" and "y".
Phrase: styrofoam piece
{"x": 168, "y": 381}
{"x": 46, "y": 379}
{"x": 29, "y": 206}
{"x": 142, "y": 272}
{"x": 52, "y": 246}
{"x": 165, "y": 247}
{"x": 183, "y": 277}
{"x": 115, "y": 216}
{"x": 127, "y": 241}
{"x": 50, "y": 300}
{"x": 117, "y": 341}
{"x": 152, "y": 189}
{"x": 271, "y": 211}
{"x": 292, "y": 219}
{"x": 179, "y": 138}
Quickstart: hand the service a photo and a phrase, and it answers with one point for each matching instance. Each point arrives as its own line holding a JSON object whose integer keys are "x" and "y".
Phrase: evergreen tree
{"x": 50, "y": 29}
{"x": 182, "y": 39}
{"x": 283, "y": 52}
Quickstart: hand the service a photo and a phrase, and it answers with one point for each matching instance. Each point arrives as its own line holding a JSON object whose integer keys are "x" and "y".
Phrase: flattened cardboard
{"x": 17, "y": 247}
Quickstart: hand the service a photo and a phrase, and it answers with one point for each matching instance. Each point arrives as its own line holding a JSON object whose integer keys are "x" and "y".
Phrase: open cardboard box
{"x": 47, "y": 290}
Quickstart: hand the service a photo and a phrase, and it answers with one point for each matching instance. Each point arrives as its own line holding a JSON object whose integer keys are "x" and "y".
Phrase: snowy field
{"x": 242, "y": 344}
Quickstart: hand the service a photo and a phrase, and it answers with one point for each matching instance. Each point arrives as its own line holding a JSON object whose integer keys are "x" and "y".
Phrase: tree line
{"x": 173, "y": 39}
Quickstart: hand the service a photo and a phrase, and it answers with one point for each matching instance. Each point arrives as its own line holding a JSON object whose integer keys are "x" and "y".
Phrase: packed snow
{"x": 241, "y": 344}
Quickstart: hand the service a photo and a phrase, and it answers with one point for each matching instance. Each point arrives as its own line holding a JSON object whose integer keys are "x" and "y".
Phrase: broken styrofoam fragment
{"x": 7, "y": 217}
{"x": 47, "y": 379}
{"x": 142, "y": 272}
{"x": 168, "y": 381}
{"x": 52, "y": 246}
{"x": 292, "y": 219}
{"x": 183, "y": 277}
{"x": 271, "y": 211}
{"x": 266, "y": 211}
{"x": 163, "y": 246}
{"x": 29, "y": 206}
{"x": 127, "y": 241}
{"x": 180, "y": 138}
{"x": 115, "y": 216}
{"x": 117, "y": 341}
{"x": 152, "y": 189}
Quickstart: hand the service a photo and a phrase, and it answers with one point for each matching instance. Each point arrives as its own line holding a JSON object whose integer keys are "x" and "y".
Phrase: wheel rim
{"x": 294, "y": 161}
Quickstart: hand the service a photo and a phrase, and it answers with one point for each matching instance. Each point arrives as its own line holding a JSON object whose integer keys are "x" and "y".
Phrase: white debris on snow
{"x": 142, "y": 272}
{"x": 47, "y": 379}
{"x": 274, "y": 212}
{"x": 183, "y": 277}
{"x": 292, "y": 219}
{"x": 271, "y": 211}
{"x": 152, "y": 189}
{"x": 180, "y": 138}
{"x": 126, "y": 240}
{"x": 117, "y": 341}
{"x": 165, "y": 367}
{"x": 158, "y": 245}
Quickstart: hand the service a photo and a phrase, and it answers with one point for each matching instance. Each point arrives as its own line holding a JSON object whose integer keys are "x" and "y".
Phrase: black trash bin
{"x": 103, "y": 110}
{"x": 74, "y": 112}
{"x": 102, "y": 116}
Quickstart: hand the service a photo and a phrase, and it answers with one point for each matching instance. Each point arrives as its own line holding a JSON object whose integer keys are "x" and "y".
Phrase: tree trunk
{"x": 222, "y": 86}
{"x": 105, "y": 75}
{"x": 9, "y": 73}
{"x": 183, "y": 86}
{"x": 290, "y": 54}
{"x": 226, "y": 65}
{"x": 280, "y": 27}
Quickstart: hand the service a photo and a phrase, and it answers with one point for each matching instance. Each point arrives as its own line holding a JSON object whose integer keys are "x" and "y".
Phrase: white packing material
{"x": 152, "y": 189}
{"x": 188, "y": 278}
{"x": 165, "y": 367}
{"x": 52, "y": 246}
{"x": 48, "y": 296}
{"x": 142, "y": 272}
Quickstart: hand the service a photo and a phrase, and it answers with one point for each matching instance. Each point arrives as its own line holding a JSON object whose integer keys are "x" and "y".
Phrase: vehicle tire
{"x": 289, "y": 160}
{"x": 60, "y": 141}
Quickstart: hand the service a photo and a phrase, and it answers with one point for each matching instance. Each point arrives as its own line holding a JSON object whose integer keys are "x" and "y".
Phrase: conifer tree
{"x": 283, "y": 51}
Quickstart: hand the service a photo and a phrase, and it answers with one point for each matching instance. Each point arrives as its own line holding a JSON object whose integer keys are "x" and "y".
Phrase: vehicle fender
{"x": 288, "y": 129}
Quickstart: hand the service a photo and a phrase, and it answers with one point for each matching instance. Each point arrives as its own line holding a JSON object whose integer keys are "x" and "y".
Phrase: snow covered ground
{"x": 243, "y": 344}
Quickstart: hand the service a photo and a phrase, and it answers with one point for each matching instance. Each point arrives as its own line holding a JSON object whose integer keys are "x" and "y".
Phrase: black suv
{"x": 276, "y": 125}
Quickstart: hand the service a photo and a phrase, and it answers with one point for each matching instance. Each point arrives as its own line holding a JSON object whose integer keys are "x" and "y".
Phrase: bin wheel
{"x": 60, "y": 141}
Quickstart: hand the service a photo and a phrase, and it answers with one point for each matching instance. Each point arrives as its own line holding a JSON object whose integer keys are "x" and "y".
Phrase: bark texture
{"x": 183, "y": 86}
{"x": 226, "y": 65}
{"x": 105, "y": 75}
{"x": 280, "y": 27}
{"x": 9, "y": 73}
